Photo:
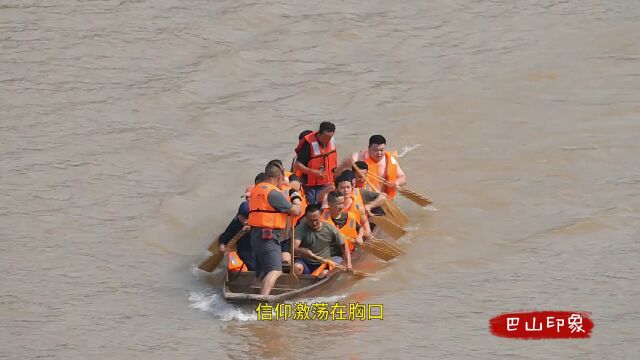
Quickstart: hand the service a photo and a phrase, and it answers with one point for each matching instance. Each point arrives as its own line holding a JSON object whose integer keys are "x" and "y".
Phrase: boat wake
{"x": 215, "y": 304}
{"x": 406, "y": 149}
{"x": 218, "y": 307}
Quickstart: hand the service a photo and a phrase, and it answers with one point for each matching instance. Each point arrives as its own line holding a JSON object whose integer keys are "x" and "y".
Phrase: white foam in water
{"x": 406, "y": 149}
{"x": 217, "y": 306}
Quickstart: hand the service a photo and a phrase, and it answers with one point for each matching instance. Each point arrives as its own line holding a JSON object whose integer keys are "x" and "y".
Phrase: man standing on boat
{"x": 317, "y": 160}
{"x": 268, "y": 211}
{"x": 319, "y": 238}
{"x": 382, "y": 164}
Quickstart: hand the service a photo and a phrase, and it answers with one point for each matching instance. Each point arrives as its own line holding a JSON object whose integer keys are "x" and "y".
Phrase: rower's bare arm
{"x": 402, "y": 178}
{"x": 346, "y": 164}
{"x": 346, "y": 256}
{"x": 295, "y": 210}
{"x": 377, "y": 202}
{"x": 299, "y": 166}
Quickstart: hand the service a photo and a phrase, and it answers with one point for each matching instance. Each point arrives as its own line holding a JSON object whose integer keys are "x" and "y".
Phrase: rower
{"x": 383, "y": 164}
{"x": 345, "y": 222}
{"x": 372, "y": 200}
{"x": 353, "y": 201}
{"x": 243, "y": 249}
{"x": 258, "y": 179}
{"x": 317, "y": 160}
{"x": 268, "y": 212}
{"x": 316, "y": 237}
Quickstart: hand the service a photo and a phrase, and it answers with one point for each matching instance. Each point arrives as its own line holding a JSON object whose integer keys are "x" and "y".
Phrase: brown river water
{"x": 129, "y": 129}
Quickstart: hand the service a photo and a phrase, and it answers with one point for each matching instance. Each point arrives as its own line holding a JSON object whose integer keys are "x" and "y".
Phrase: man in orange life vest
{"x": 316, "y": 237}
{"x": 384, "y": 164}
{"x": 372, "y": 200}
{"x": 317, "y": 160}
{"x": 353, "y": 201}
{"x": 345, "y": 222}
{"x": 268, "y": 211}
{"x": 243, "y": 249}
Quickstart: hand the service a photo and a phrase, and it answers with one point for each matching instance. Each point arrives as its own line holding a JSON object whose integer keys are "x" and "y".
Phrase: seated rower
{"x": 372, "y": 200}
{"x": 243, "y": 247}
{"x": 353, "y": 201}
{"x": 258, "y": 179}
{"x": 382, "y": 163}
{"x": 316, "y": 237}
{"x": 344, "y": 221}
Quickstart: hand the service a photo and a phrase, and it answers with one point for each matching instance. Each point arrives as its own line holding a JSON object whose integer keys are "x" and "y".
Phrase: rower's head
{"x": 260, "y": 178}
{"x": 278, "y": 162}
{"x": 313, "y": 217}
{"x": 361, "y": 176}
{"x": 344, "y": 184}
{"x": 326, "y": 131}
{"x": 294, "y": 182}
{"x": 274, "y": 174}
{"x": 377, "y": 147}
{"x": 335, "y": 200}
{"x": 243, "y": 212}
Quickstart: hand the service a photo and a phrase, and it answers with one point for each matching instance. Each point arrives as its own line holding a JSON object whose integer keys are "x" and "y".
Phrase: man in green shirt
{"x": 316, "y": 237}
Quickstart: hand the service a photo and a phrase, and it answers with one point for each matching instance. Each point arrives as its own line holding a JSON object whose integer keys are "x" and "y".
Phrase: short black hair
{"x": 304, "y": 133}
{"x": 294, "y": 177}
{"x": 377, "y": 139}
{"x": 362, "y": 165}
{"x": 348, "y": 175}
{"x": 311, "y": 208}
{"x": 327, "y": 126}
{"x": 275, "y": 161}
{"x": 273, "y": 170}
{"x": 333, "y": 196}
{"x": 260, "y": 178}
{"x": 343, "y": 177}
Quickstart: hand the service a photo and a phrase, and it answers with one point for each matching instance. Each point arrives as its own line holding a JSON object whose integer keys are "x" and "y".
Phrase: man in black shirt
{"x": 244, "y": 249}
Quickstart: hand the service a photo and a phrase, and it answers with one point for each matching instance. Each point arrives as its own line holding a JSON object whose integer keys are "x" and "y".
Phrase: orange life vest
{"x": 321, "y": 158}
{"x": 354, "y": 210}
{"x": 319, "y": 269}
{"x": 348, "y": 230}
{"x": 235, "y": 263}
{"x": 391, "y": 174}
{"x": 261, "y": 213}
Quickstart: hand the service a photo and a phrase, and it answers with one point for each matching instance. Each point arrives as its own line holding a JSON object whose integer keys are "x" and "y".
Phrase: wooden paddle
{"x": 408, "y": 193}
{"x": 292, "y": 279}
{"x": 387, "y": 245}
{"x": 388, "y": 226}
{"x": 394, "y": 213}
{"x": 377, "y": 251}
{"x": 341, "y": 267}
{"x": 212, "y": 261}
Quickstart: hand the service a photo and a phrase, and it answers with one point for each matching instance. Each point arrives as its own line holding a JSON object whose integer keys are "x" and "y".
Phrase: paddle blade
{"x": 211, "y": 262}
{"x": 415, "y": 197}
{"x": 389, "y": 247}
{"x": 214, "y": 246}
{"x": 388, "y": 226}
{"x": 378, "y": 252}
{"x": 393, "y": 212}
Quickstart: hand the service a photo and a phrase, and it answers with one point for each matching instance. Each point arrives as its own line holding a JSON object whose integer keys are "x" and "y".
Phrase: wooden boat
{"x": 244, "y": 287}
